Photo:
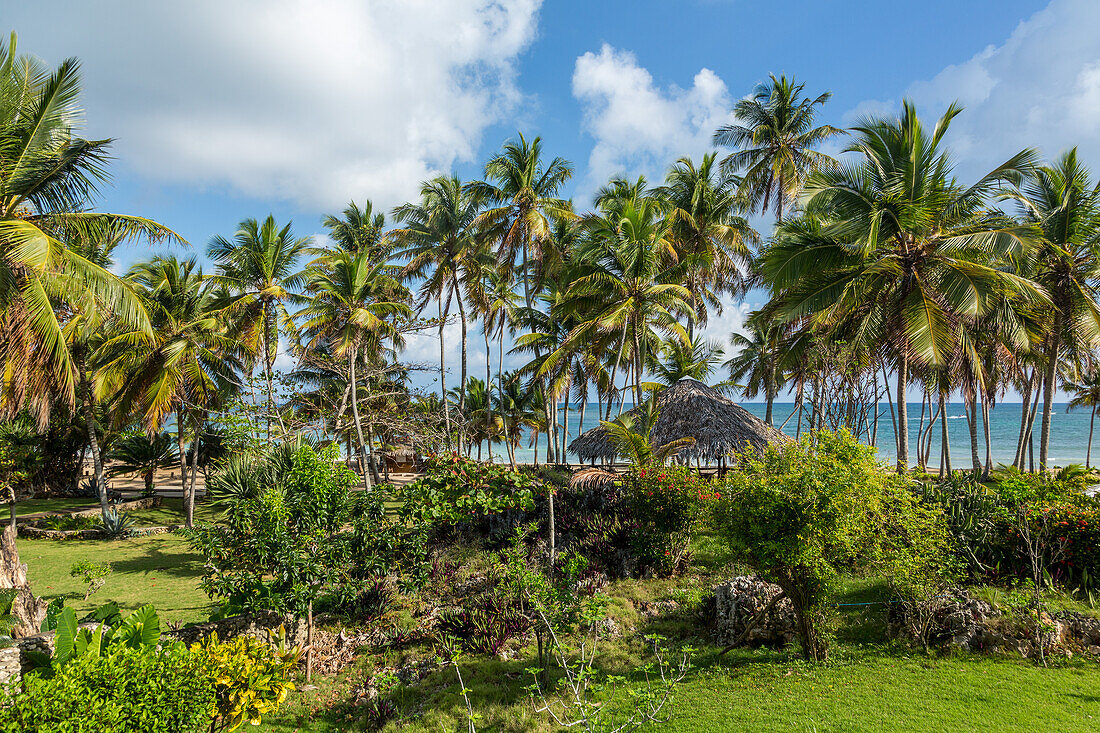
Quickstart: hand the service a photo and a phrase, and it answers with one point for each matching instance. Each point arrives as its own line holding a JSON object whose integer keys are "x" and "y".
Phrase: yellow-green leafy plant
{"x": 251, "y": 677}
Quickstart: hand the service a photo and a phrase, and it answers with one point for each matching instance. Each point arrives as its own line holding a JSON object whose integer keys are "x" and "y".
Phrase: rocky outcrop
{"x": 740, "y": 600}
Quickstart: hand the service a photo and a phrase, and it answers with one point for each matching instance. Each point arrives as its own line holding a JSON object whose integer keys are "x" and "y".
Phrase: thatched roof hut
{"x": 690, "y": 409}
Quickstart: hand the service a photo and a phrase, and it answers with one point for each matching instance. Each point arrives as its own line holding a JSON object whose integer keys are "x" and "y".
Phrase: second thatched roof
{"x": 690, "y": 409}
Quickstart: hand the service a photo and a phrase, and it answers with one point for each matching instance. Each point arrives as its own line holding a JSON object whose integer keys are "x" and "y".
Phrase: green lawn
{"x": 34, "y": 506}
{"x": 159, "y": 569}
{"x": 170, "y": 512}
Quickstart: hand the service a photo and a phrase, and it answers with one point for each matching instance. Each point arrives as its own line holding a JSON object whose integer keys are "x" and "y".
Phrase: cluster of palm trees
{"x": 881, "y": 269}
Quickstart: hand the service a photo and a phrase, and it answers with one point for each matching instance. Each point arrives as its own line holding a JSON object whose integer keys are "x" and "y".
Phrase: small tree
{"x": 800, "y": 512}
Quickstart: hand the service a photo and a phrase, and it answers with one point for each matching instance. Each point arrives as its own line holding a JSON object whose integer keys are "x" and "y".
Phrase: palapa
{"x": 690, "y": 409}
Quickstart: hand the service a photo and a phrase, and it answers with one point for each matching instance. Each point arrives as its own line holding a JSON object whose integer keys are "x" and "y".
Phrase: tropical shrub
{"x": 251, "y": 678}
{"x": 125, "y": 690}
{"x": 1076, "y": 529}
{"x": 115, "y": 524}
{"x": 802, "y": 512}
{"x": 665, "y": 503}
{"x": 92, "y": 574}
{"x": 68, "y": 522}
{"x": 459, "y": 492}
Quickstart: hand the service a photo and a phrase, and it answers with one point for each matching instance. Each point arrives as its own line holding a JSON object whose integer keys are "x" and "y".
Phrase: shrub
{"x": 802, "y": 512}
{"x": 68, "y": 522}
{"x": 116, "y": 524}
{"x": 1077, "y": 530}
{"x": 251, "y": 678}
{"x": 665, "y": 502}
{"x": 127, "y": 690}
{"x": 92, "y": 574}
{"x": 456, "y": 491}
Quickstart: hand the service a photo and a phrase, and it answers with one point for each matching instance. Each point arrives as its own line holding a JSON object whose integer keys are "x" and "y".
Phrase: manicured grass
{"x": 34, "y": 506}
{"x": 160, "y": 569}
{"x": 170, "y": 512}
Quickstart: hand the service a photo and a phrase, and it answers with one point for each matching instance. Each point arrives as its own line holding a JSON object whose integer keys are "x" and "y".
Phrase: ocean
{"x": 1068, "y": 443}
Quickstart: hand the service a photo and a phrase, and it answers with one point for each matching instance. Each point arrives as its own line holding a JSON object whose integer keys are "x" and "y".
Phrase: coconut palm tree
{"x": 142, "y": 454}
{"x": 774, "y": 139}
{"x": 359, "y": 230}
{"x": 258, "y": 268}
{"x": 521, "y": 192}
{"x": 894, "y": 250}
{"x": 708, "y": 233}
{"x": 352, "y": 308}
{"x": 758, "y": 365}
{"x": 678, "y": 359}
{"x": 1086, "y": 393}
{"x": 624, "y": 287}
{"x": 439, "y": 236}
{"x": 187, "y": 366}
{"x": 1064, "y": 204}
{"x": 47, "y": 179}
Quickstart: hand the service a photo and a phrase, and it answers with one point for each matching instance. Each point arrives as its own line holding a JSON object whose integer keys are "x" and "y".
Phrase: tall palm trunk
{"x": 972, "y": 423}
{"x": 614, "y": 371}
{"x": 1049, "y": 386}
{"x": 903, "y": 413}
{"x": 442, "y": 371}
{"x": 1025, "y": 410}
{"x": 770, "y": 392}
{"x": 189, "y": 495}
{"x": 93, "y": 440}
{"x": 488, "y": 398}
{"x": 945, "y": 447}
{"x": 986, "y": 405}
{"x": 1088, "y": 451}
{"x": 462, "y": 384}
{"x": 353, "y": 356}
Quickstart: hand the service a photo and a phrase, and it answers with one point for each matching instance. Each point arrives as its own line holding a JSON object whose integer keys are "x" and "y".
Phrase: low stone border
{"x": 148, "y": 502}
{"x": 37, "y": 533}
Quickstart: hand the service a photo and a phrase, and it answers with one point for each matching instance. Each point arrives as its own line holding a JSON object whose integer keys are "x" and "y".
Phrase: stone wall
{"x": 15, "y": 660}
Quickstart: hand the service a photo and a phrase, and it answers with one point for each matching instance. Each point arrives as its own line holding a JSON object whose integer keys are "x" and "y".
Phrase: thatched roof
{"x": 690, "y": 409}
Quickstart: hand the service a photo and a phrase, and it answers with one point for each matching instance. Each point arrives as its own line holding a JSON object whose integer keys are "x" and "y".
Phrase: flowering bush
{"x": 456, "y": 490}
{"x": 251, "y": 678}
{"x": 665, "y": 502}
{"x": 1077, "y": 531}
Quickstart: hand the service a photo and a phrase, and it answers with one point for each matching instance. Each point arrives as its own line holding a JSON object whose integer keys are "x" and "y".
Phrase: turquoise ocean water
{"x": 1069, "y": 433}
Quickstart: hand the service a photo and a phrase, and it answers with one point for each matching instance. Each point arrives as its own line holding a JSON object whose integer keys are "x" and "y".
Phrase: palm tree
{"x": 1065, "y": 205}
{"x": 441, "y": 246}
{"x": 625, "y": 288}
{"x": 894, "y": 251}
{"x": 353, "y": 304}
{"x": 142, "y": 454}
{"x": 189, "y": 363}
{"x": 258, "y": 269}
{"x": 515, "y": 409}
{"x": 758, "y": 367}
{"x": 47, "y": 178}
{"x": 1086, "y": 393}
{"x": 497, "y": 304}
{"x": 774, "y": 138}
{"x": 359, "y": 230}
{"x": 696, "y": 359}
{"x": 521, "y": 192}
{"x": 708, "y": 233}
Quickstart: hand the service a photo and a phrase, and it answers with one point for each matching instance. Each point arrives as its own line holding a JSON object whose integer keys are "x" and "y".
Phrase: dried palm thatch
{"x": 690, "y": 409}
{"x": 592, "y": 479}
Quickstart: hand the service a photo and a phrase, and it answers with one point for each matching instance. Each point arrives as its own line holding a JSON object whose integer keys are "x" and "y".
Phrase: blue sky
{"x": 227, "y": 110}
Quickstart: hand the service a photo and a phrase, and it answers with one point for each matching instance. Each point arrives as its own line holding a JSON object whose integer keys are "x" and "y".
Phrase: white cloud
{"x": 315, "y": 102}
{"x": 1040, "y": 88}
{"x": 638, "y": 127}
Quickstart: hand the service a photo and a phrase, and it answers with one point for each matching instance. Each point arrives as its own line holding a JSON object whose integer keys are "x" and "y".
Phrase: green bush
{"x": 458, "y": 491}
{"x": 802, "y": 512}
{"x": 251, "y": 678}
{"x": 127, "y": 690}
{"x": 666, "y": 503}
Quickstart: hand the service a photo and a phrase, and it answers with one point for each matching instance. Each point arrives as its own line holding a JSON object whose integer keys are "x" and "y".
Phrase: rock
{"x": 737, "y": 603}
{"x": 606, "y": 628}
{"x": 653, "y": 609}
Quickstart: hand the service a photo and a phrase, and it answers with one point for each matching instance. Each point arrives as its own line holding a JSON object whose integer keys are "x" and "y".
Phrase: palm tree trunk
{"x": 93, "y": 442}
{"x": 986, "y": 403}
{"x": 1088, "y": 451}
{"x": 488, "y": 397}
{"x": 925, "y": 402}
{"x": 1049, "y": 387}
{"x": 972, "y": 423}
{"x": 462, "y": 385}
{"x": 353, "y": 356}
{"x": 1031, "y": 429}
{"x": 1025, "y": 411}
{"x": 945, "y": 447}
{"x": 442, "y": 371}
{"x": 189, "y": 496}
{"x": 903, "y": 413}
{"x": 770, "y": 392}
{"x": 614, "y": 371}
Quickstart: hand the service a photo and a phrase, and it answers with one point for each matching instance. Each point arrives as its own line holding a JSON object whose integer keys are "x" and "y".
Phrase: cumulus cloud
{"x": 1040, "y": 88}
{"x": 311, "y": 102}
{"x": 638, "y": 127}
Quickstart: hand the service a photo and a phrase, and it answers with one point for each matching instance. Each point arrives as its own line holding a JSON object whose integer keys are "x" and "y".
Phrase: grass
{"x": 34, "y": 506}
{"x": 170, "y": 512}
{"x": 160, "y": 569}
